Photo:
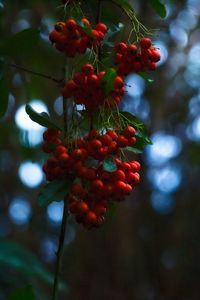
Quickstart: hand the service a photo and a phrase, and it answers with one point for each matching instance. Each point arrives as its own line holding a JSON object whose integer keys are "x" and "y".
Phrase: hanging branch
{"x": 12, "y": 65}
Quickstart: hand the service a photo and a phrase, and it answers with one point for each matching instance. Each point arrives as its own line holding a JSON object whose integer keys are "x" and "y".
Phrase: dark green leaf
{"x": 17, "y": 258}
{"x": 41, "y": 118}
{"x": 108, "y": 80}
{"x": 142, "y": 138}
{"x": 145, "y": 77}
{"x": 87, "y": 29}
{"x": 124, "y": 4}
{"x": 131, "y": 119}
{"x": 133, "y": 149}
{"x": 3, "y": 96}
{"x": 159, "y": 8}
{"x": 25, "y": 293}
{"x": 54, "y": 191}
{"x": 20, "y": 43}
{"x": 109, "y": 164}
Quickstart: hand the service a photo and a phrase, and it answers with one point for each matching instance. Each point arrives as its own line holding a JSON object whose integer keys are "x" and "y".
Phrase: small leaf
{"x": 40, "y": 118}
{"x": 124, "y": 4}
{"x": 145, "y": 77}
{"x": 25, "y": 293}
{"x": 54, "y": 191}
{"x": 3, "y": 96}
{"x": 142, "y": 138}
{"x": 159, "y": 8}
{"x": 109, "y": 164}
{"x": 108, "y": 80}
{"x": 87, "y": 29}
{"x": 133, "y": 149}
{"x": 20, "y": 43}
{"x": 131, "y": 119}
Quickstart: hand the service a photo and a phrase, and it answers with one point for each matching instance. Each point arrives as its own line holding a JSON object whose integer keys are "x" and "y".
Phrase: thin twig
{"x": 12, "y": 65}
{"x": 59, "y": 253}
{"x": 65, "y": 211}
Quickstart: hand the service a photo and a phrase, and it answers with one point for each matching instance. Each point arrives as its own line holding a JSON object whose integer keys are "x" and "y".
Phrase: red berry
{"x": 106, "y": 139}
{"x": 87, "y": 69}
{"x": 71, "y": 24}
{"x": 119, "y": 83}
{"x": 85, "y": 21}
{"x": 121, "y": 48}
{"x": 97, "y": 184}
{"x": 118, "y": 175}
{"x": 129, "y": 131}
{"x": 101, "y": 27}
{"x": 81, "y": 207}
{"x": 155, "y": 55}
{"x": 122, "y": 141}
{"x": 90, "y": 218}
{"x": 145, "y": 43}
{"x": 76, "y": 189}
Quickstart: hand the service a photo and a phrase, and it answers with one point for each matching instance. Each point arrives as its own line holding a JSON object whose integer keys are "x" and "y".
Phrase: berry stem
{"x": 59, "y": 252}
{"x": 98, "y": 17}
{"x": 12, "y": 65}
{"x": 64, "y": 101}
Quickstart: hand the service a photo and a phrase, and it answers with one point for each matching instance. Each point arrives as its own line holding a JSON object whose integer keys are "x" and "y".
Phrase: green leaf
{"x": 124, "y": 4}
{"x": 145, "y": 77}
{"x": 159, "y": 8}
{"x": 3, "y": 96}
{"x": 131, "y": 119}
{"x": 41, "y": 118}
{"x": 141, "y": 135}
{"x": 55, "y": 190}
{"x": 15, "y": 257}
{"x": 20, "y": 43}
{"x": 132, "y": 149}
{"x": 108, "y": 80}
{"x": 109, "y": 164}
{"x": 86, "y": 29}
{"x": 25, "y": 293}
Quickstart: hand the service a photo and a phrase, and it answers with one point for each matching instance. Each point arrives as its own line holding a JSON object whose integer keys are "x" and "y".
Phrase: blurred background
{"x": 149, "y": 247}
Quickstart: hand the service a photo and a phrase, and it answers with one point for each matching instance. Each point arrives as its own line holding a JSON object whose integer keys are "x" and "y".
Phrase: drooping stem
{"x": 59, "y": 253}
{"x": 98, "y": 17}
{"x": 12, "y": 65}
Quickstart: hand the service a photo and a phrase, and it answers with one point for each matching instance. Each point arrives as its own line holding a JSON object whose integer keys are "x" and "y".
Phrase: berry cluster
{"x": 93, "y": 186}
{"x": 71, "y": 38}
{"x": 93, "y": 96}
{"x": 132, "y": 58}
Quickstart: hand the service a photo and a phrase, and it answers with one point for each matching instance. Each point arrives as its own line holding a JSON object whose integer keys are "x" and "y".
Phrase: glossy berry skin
{"x": 93, "y": 187}
{"x": 70, "y": 37}
{"x": 136, "y": 58}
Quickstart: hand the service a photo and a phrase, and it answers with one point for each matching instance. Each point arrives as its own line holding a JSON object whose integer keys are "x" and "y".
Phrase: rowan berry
{"x": 129, "y": 132}
{"x": 145, "y": 43}
{"x": 97, "y": 184}
{"x": 122, "y": 141}
{"x": 101, "y": 27}
{"x": 80, "y": 208}
{"x": 90, "y": 218}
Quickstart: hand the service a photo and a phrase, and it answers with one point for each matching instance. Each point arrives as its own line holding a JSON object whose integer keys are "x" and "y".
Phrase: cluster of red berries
{"x": 87, "y": 88}
{"x": 93, "y": 186}
{"x": 71, "y": 38}
{"x": 133, "y": 58}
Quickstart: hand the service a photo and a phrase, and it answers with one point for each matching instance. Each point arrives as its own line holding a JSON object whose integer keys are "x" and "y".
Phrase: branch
{"x": 12, "y": 65}
{"x": 60, "y": 251}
